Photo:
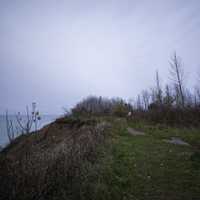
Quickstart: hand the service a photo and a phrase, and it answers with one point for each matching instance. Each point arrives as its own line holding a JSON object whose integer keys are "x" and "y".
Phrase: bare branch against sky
{"x": 56, "y": 52}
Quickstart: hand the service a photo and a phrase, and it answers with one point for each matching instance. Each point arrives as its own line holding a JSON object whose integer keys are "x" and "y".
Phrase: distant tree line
{"x": 172, "y": 104}
{"x": 93, "y": 105}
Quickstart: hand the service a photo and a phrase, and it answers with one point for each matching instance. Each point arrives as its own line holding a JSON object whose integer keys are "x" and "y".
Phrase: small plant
{"x": 24, "y": 122}
{"x": 31, "y": 119}
{"x": 121, "y": 109}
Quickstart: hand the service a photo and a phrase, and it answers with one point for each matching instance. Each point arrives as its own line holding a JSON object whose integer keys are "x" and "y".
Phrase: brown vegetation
{"x": 56, "y": 163}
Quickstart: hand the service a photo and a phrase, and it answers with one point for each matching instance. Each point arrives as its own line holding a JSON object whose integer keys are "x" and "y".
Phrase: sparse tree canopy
{"x": 177, "y": 77}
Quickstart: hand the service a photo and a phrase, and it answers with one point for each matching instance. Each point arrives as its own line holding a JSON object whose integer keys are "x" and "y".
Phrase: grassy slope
{"x": 129, "y": 167}
{"x": 145, "y": 167}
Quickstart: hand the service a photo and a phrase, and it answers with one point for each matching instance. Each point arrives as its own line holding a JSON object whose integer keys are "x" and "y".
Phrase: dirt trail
{"x": 177, "y": 141}
{"x": 134, "y": 132}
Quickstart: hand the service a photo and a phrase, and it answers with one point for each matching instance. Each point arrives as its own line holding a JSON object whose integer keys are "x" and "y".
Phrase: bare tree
{"x": 30, "y": 118}
{"x": 146, "y": 99}
{"x": 139, "y": 103}
{"x": 24, "y": 123}
{"x": 197, "y": 95}
{"x": 197, "y": 91}
{"x": 177, "y": 76}
{"x": 158, "y": 89}
{"x": 168, "y": 98}
{"x": 189, "y": 99}
{"x": 153, "y": 95}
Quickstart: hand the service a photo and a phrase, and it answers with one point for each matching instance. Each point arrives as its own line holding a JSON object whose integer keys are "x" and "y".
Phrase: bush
{"x": 101, "y": 106}
{"x": 120, "y": 109}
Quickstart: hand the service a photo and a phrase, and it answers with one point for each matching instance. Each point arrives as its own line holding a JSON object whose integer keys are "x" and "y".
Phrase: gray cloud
{"x": 56, "y": 52}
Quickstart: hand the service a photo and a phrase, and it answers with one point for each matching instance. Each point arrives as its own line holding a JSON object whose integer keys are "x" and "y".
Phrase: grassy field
{"x": 147, "y": 167}
{"x": 100, "y": 159}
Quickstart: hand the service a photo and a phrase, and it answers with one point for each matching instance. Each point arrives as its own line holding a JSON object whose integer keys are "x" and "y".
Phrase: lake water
{"x": 45, "y": 119}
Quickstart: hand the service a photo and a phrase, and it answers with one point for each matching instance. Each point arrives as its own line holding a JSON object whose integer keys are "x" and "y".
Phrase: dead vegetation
{"x": 57, "y": 163}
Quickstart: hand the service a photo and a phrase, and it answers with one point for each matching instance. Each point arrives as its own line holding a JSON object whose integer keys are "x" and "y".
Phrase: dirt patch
{"x": 177, "y": 141}
{"x": 134, "y": 132}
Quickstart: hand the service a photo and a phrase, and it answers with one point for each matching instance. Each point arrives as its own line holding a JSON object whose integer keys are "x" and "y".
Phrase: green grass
{"x": 160, "y": 131}
{"x": 146, "y": 167}
{"x": 124, "y": 167}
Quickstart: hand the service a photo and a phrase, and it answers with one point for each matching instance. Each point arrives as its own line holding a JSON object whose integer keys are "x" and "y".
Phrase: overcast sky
{"x": 57, "y": 52}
